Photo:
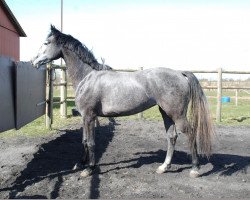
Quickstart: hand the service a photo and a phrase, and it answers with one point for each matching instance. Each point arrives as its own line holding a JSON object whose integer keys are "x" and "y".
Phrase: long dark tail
{"x": 200, "y": 118}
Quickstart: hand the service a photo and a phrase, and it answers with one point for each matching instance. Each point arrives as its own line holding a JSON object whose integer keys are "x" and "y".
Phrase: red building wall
{"x": 9, "y": 38}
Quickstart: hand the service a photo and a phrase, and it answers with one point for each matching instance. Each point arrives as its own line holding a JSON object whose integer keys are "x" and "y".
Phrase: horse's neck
{"x": 77, "y": 69}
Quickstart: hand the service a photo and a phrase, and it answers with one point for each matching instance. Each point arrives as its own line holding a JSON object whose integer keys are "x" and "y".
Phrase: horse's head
{"x": 50, "y": 50}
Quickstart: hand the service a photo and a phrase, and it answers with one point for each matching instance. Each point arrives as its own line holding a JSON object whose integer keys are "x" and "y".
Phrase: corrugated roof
{"x": 12, "y": 19}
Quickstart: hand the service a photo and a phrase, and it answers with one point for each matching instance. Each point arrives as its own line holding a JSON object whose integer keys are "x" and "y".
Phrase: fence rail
{"x": 219, "y": 87}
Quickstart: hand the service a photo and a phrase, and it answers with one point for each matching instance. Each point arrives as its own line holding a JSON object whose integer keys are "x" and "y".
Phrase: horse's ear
{"x": 52, "y": 27}
{"x": 53, "y": 30}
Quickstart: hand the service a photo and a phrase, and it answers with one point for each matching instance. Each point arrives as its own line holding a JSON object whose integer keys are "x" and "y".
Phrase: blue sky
{"x": 179, "y": 34}
{"x": 28, "y": 5}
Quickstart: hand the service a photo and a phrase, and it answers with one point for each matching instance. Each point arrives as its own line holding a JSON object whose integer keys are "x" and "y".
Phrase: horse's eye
{"x": 46, "y": 43}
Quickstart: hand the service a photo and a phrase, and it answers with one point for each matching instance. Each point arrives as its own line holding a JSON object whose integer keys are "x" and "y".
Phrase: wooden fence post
{"x": 236, "y": 97}
{"x": 63, "y": 94}
{"x": 219, "y": 95}
{"x": 140, "y": 115}
{"x": 49, "y": 97}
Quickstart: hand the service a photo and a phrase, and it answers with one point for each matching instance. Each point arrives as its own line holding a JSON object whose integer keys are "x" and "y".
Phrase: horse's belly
{"x": 125, "y": 108}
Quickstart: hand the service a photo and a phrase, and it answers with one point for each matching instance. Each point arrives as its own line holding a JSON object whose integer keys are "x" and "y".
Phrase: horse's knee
{"x": 89, "y": 121}
{"x": 173, "y": 139}
{"x": 89, "y": 117}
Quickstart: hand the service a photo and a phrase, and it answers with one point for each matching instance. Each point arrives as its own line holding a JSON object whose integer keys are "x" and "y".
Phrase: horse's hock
{"x": 22, "y": 89}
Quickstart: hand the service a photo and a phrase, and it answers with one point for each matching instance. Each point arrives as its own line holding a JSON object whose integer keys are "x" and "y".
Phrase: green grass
{"x": 37, "y": 127}
{"x": 231, "y": 115}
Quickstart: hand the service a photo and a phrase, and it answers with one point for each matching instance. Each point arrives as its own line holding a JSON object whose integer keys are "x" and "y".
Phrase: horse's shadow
{"x": 222, "y": 164}
{"x": 56, "y": 159}
{"x": 228, "y": 164}
{"x": 148, "y": 158}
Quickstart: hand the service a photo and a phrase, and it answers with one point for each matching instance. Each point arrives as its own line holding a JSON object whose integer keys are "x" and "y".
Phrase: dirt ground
{"x": 127, "y": 154}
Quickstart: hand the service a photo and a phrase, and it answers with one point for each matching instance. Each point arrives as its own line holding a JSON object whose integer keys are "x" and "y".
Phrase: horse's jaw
{"x": 38, "y": 61}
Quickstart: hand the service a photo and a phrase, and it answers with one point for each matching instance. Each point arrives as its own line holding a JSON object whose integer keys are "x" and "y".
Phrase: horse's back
{"x": 150, "y": 82}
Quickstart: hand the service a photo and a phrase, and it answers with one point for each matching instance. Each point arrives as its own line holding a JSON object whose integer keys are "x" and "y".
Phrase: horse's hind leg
{"x": 183, "y": 126}
{"x": 171, "y": 139}
{"x": 195, "y": 162}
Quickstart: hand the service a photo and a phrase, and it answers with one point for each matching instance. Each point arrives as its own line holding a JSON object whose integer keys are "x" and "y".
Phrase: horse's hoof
{"x": 160, "y": 170}
{"x": 87, "y": 172}
{"x": 194, "y": 174}
{"x": 163, "y": 168}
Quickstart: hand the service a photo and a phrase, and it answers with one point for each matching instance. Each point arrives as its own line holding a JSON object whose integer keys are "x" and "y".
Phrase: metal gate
{"x": 22, "y": 93}
{"x": 30, "y": 93}
{"x": 7, "y": 105}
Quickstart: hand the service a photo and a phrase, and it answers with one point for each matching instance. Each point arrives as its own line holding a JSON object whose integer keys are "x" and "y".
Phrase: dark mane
{"x": 80, "y": 49}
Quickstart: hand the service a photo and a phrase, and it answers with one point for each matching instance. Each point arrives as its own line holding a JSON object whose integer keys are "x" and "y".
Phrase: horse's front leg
{"x": 89, "y": 145}
{"x": 80, "y": 165}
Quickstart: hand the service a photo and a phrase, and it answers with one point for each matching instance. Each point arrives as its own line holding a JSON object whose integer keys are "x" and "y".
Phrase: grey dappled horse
{"x": 112, "y": 94}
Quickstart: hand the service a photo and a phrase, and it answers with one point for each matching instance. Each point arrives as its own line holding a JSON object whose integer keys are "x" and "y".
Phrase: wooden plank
{"x": 219, "y": 95}
{"x": 63, "y": 94}
{"x": 203, "y": 71}
{"x": 49, "y": 93}
{"x": 226, "y": 87}
{"x": 236, "y": 72}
